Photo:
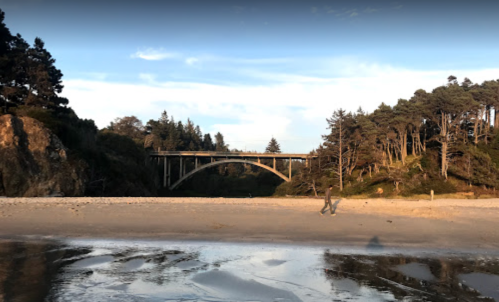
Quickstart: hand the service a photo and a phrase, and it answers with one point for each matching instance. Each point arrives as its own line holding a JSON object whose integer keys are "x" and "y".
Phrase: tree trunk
{"x": 444, "y": 136}
{"x": 424, "y": 141}
{"x": 413, "y": 144}
{"x": 389, "y": 154}
{"x": 496, "y": 118}
{"x": 360, "y": 179}
{"x": 313, "y": 187}
{"x": 475, "y": 130}
{"x": 349, "y": 160}
{"x": 383, "y": 156}
{"x": 481, "y": 122}
{"x": 340, "y": 162}
{"x": 444, "y": 159}
{"x": 487, "y": 127}
{"x": 403, "y": 148}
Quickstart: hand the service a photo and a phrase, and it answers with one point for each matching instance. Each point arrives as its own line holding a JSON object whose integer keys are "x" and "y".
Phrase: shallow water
{"x": 118, "y": 270}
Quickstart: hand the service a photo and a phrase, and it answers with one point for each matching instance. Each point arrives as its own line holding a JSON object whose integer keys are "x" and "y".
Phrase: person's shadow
{"x": 335, "y": 205}
{"x": 374, "y": 244}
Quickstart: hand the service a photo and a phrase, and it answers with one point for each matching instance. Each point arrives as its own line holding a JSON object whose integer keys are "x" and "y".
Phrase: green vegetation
{"x": 444, "y": 140}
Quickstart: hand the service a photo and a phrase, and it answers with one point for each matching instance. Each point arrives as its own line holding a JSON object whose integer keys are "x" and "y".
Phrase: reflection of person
{"x": 327, "y": 202}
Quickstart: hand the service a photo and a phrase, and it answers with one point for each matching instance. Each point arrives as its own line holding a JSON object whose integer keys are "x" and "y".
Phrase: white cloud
{"x": 291, "y": 107}
{"x": 191, "y": 61}
{"x": 152, "y": 54}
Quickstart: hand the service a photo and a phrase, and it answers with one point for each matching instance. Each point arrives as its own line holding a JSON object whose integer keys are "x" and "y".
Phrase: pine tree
{"x": 5, "y": 62}
{"x": 220, "y": 145}
{"x": 273, "y": 147}
{"x": 208, "y": 143}
{"x": 446, "y": 108}
{"x": 337, "y": 142}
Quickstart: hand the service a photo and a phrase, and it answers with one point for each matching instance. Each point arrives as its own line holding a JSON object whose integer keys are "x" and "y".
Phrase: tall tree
{"x": 208, "y": 143}
{"x": 382, "y": 117}
{"x": 337, "y": 142}
{"x": 446, "y": 108}
{"x": 273, "y": 146}
{"x": 220, "y": 143}
{"x": 5, "y": 61}
{"x": 400, "y": 123}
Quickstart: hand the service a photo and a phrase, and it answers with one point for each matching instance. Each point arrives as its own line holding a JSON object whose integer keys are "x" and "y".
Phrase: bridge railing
{"x": 215, "y": 154}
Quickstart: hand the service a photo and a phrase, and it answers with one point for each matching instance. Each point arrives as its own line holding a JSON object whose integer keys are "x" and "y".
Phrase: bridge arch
{"x": 227, "y": 161}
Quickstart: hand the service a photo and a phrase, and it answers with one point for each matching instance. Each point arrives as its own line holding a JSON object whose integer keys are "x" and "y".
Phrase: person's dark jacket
{"x": 328, "y": 195}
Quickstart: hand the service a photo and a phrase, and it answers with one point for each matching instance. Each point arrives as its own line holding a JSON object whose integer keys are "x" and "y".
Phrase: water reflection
{"x": 28, "y": 269}
{"x": 175, "y": 271}
{"x": 412, "y": 278}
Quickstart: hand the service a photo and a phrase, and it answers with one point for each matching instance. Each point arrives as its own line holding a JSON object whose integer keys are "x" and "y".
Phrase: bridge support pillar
{"x": 181, "y": 168}
{"x": 259, "y": 160}
{"x": 185, "y": 164}
{"x": 169, "y": 173}
{"x": 165, "y": 172}
{"x": 274, "y": 163}
{"x": 195, "y": 162}
{"x": 290, "y": 169}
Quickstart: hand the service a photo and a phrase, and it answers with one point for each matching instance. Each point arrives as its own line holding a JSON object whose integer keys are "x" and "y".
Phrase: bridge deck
{"x": 230, "y": 154}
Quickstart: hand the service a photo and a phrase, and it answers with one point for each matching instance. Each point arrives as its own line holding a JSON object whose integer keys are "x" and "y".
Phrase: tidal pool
{"x": 123, "y": 270}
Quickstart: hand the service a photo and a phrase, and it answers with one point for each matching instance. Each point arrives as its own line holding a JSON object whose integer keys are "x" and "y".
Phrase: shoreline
{"x": 342, "y": 249}
{"x": 386, "y": 223}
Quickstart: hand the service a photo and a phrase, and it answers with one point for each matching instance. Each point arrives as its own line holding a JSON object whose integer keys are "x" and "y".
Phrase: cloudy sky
{"x": 256, "y": 69}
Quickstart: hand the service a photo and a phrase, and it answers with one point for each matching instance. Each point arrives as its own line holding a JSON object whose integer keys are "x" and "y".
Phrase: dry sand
{"x": 446, "y": 223}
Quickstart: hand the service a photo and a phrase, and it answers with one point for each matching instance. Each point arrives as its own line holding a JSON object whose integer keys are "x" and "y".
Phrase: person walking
{"x": 327, "y": 202}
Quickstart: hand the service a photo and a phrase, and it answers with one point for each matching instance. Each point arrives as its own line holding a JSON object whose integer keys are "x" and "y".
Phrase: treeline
{"x": 438, "y": 139}
{"x": 224, "y": 180}
{"x": 166, "y": 134}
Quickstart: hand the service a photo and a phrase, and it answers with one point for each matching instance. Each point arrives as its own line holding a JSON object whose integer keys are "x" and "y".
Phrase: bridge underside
{"x": 228, "y": 161}
{"x": 220, "y": 158}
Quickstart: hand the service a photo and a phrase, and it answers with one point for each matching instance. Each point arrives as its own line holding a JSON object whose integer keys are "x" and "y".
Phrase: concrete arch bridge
{"x": 220, "y": 158}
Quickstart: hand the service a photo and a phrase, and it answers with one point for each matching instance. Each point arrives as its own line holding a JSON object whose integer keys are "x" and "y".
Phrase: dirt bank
{"x": 439, "y": 223}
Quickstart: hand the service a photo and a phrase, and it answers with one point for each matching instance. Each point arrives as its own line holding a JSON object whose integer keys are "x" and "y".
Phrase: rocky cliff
{"x": 33, "y": 161}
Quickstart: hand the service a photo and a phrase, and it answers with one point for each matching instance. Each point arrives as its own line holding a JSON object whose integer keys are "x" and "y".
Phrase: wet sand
{"x": 448, "y": 223}
{"x": 155, "y": 270}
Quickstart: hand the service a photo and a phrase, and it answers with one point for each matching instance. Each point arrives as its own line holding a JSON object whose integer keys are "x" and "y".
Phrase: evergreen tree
{"x": 208, "y": 143}
{"x": 220, "y": 145}
{"x": 5, "y": 62}
{"x": 273, "y": 147}
{"x": 446, "y": 108}
{"x": 337, "y": 142}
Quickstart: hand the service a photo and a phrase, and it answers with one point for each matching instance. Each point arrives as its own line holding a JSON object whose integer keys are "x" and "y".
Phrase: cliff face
{"x": 33, "y": 161}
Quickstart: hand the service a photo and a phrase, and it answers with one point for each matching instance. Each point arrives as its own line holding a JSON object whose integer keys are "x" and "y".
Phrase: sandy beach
{"x": 445, "y": 223}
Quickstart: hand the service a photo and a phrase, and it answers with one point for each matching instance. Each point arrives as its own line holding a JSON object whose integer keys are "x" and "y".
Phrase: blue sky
{"x": 256, "y": 69}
